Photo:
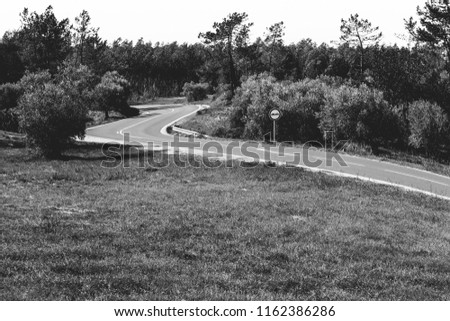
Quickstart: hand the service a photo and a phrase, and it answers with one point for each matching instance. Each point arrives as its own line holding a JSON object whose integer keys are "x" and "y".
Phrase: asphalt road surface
{"x": 151, "y": 126}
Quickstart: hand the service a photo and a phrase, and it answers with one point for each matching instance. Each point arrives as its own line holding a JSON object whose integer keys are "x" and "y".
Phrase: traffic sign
{"x": 275, "y": 114}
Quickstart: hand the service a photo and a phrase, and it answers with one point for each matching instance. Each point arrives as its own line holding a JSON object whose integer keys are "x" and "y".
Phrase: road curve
{"x": 150, "y": 128}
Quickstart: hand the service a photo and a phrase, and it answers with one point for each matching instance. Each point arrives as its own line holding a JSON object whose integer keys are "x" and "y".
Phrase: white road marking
{"x": 417, "y": 177}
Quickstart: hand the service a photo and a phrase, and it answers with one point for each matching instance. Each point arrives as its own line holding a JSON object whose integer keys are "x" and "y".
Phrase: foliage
{"x": 429, "y": 126}
{"x": 44, "y": 41}
{"x": 51, "y": 117}
{"x": 226, "y": 58}
{"x": 77, "y": 78}
{"x": 112, "y": 93}
{"x": 359, "y": 32}
{"x": 230, "y": 34}
{"x": 311, "y": 107}
{"x": 32, "y": 81}
{"x": 88, "y": 48}
{"x": 299, "y": 103}
{"x": 434, "y": 26}
{"x": 358, "y": 114}
{"x": 9, "y": 120}
{"x": 274, "y": 42}
{"x": 9, "y": 95}
{"x": 195, "y": 92}
{"x": 11, "y": 66}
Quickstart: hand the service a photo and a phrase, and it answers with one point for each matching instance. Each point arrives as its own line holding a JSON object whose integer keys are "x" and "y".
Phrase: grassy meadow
{"x": 72, "y": 230}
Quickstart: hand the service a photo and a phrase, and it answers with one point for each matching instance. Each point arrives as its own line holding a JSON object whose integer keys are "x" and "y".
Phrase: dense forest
{"x": 364, "y": 91}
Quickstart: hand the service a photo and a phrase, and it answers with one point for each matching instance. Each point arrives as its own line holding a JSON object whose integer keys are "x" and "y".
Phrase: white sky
{"x": 182, "y": 20}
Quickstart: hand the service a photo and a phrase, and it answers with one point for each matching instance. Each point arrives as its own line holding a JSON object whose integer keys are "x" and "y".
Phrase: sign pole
{"x": 275, "y": 115}
{"x": 274, "y": 130}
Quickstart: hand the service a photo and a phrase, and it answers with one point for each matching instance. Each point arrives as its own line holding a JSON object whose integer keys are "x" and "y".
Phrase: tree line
{"x": 225, "y": 59}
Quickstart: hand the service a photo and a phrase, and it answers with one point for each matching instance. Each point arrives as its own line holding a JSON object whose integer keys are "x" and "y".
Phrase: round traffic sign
{"x": 275, "y": 114}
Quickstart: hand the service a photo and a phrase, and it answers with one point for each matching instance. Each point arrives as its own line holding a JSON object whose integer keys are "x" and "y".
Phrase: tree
{"x": 89, "y": 48}
{"x": 43, "y": 40}
{"x": 195, "y": 92}
{"x": 317, "y": 61}
{"x": 434, "y": 26}
{"x": 112, "y": 93}
{"x": 50, "y": 114}
{"x": 81, "y": 34}
{"x": 274, "y": 40}
{"x": 78, "y": 81}
{"x": 360, "y": 33}
{"x": 231, "y": 33}
{"x": 11, "y": 67}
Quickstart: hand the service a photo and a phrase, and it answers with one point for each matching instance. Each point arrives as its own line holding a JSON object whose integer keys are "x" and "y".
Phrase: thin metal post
{"x": 274, "y": 128}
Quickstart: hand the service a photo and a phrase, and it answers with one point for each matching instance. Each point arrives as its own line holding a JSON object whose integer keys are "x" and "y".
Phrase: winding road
{"x": 151, "y": 126}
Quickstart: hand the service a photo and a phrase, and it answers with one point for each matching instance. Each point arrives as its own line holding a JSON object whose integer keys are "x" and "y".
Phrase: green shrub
{"x": 50, "y": 115}
{"x": 195, "y": 92}
{"x": 359, "y": 114}
{"x": 9, "y": 97}
{"x": 311, "y": 107}
{"x": 223, "y": 95}
{"x": 299, "y": 103}
{"x": 428, "y": 125}
{"x": 9, "y": 120}
{"x": 32, "y": 81}
{"x": 112, "y": 93}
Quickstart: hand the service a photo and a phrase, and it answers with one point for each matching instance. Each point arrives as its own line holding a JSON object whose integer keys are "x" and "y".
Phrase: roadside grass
{"x": 159, "y": 101}
{"x": 416, "y": 161}
{"x": 212, "y": 122}
{"x": 72, "y": 230}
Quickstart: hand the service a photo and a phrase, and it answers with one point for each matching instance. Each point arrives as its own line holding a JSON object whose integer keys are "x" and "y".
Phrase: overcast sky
{"x": 182, "y": 20}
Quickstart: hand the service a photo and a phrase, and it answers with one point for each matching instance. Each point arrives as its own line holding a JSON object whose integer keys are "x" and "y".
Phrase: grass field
{"x": 71, "y": 230}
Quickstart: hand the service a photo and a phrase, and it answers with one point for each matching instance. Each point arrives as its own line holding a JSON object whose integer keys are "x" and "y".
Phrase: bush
{"x": 51, "y": 117}
{"x": 223, "y": 95}
{"x": 77, "y": 78}
{"x": 311, "y": 107}
{"x": 9, "y": 120}
{"x": 428, "y": 125}
{"x": 195, "y": 92}
{"x": 9, "y": 97}
{"x": 32, "y": 81}
{"x": 358, "y": 114}
{"x": 251, "y": 105}
{"x": 299, "y": 103}
{"x": 112, "y": 93}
